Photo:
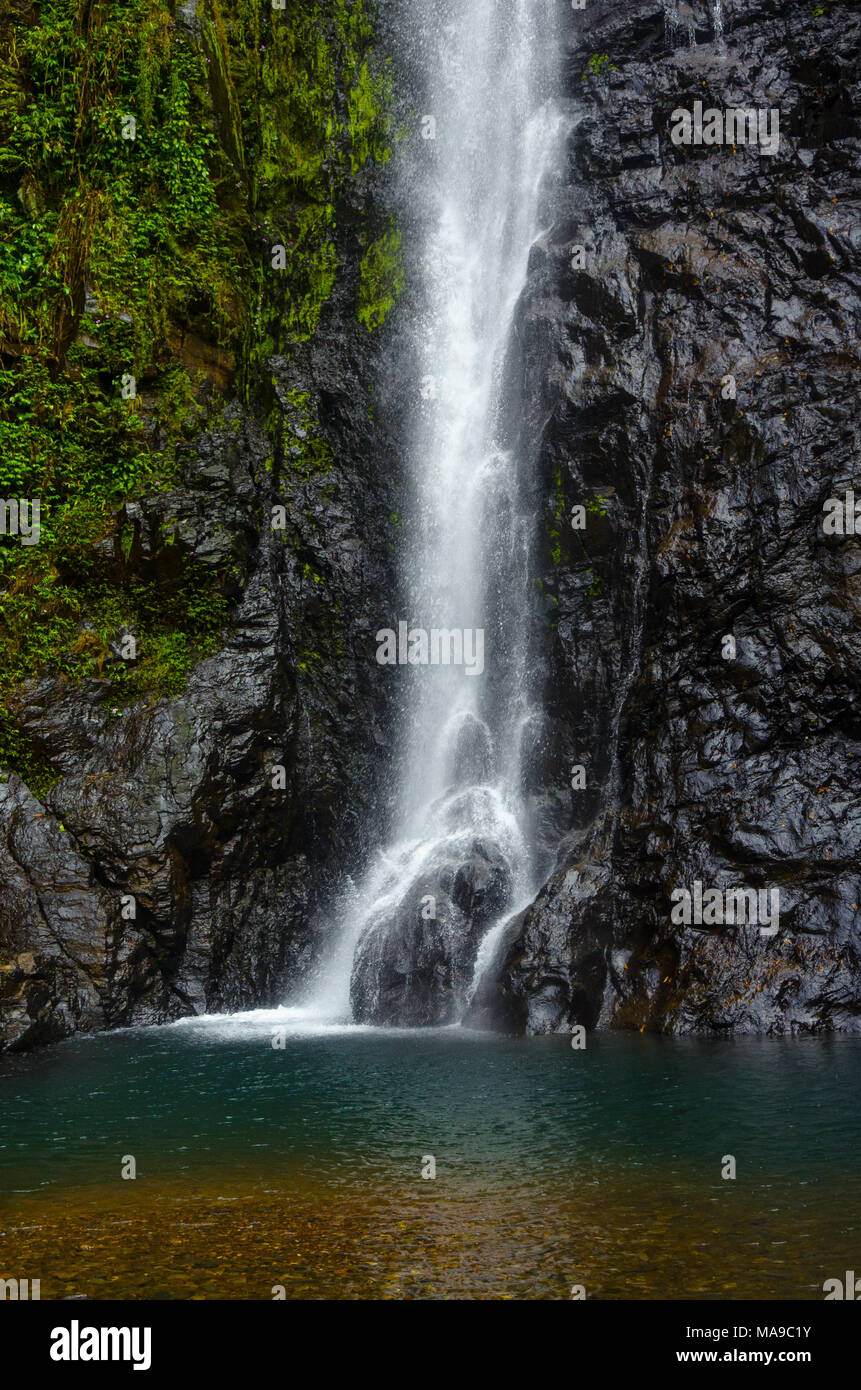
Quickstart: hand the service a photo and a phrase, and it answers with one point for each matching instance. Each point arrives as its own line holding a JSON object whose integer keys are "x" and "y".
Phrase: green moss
{"x": 381, "y": 280}
{"x": 557, "y": 520}
{"x": 302, "y": 140}
{"x": 312, "y": 270}
{"x": 306, "y": 450}
{"x": 67, "y": 623}
{"x": 369, "y": 96}
{"x": 598, "y": 65}
{"x": 18, "y": 752}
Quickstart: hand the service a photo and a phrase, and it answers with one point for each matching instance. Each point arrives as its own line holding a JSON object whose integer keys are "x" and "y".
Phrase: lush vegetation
{"x": 147, "y": 172}
{"x": 598, "y": 65}
{"x": 382, "y": 280}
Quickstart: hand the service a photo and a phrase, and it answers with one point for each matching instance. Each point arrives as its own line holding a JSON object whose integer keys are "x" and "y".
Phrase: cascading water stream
{"x": 421, "y": 925}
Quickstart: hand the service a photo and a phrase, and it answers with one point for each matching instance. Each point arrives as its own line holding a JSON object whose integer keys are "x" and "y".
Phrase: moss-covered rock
{"x": 169, "y": 185}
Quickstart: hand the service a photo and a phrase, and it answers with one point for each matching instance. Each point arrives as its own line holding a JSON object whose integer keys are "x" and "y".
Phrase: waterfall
{"x": 422, "y": 923}
{"x": 679, "y": 15}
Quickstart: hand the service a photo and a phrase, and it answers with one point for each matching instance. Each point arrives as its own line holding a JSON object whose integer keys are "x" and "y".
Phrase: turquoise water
{"x": 621, "y": 1144}
{"x": 356, "y": 1103}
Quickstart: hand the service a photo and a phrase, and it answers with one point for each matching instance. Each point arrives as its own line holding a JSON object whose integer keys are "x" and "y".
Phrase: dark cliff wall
{"x": 705, "y": 521}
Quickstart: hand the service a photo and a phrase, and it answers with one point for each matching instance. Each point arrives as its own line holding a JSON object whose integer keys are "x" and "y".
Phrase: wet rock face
{"x": 173, "y": 869}
{"x": 699, "y": 369}
{"x": 414, "y": 965}
{"x": 411, "y": 973}
{"x": 482, "y": 885}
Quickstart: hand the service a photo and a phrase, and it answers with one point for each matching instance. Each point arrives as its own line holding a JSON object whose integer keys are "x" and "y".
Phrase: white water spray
{"x": 462, "y": 832}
